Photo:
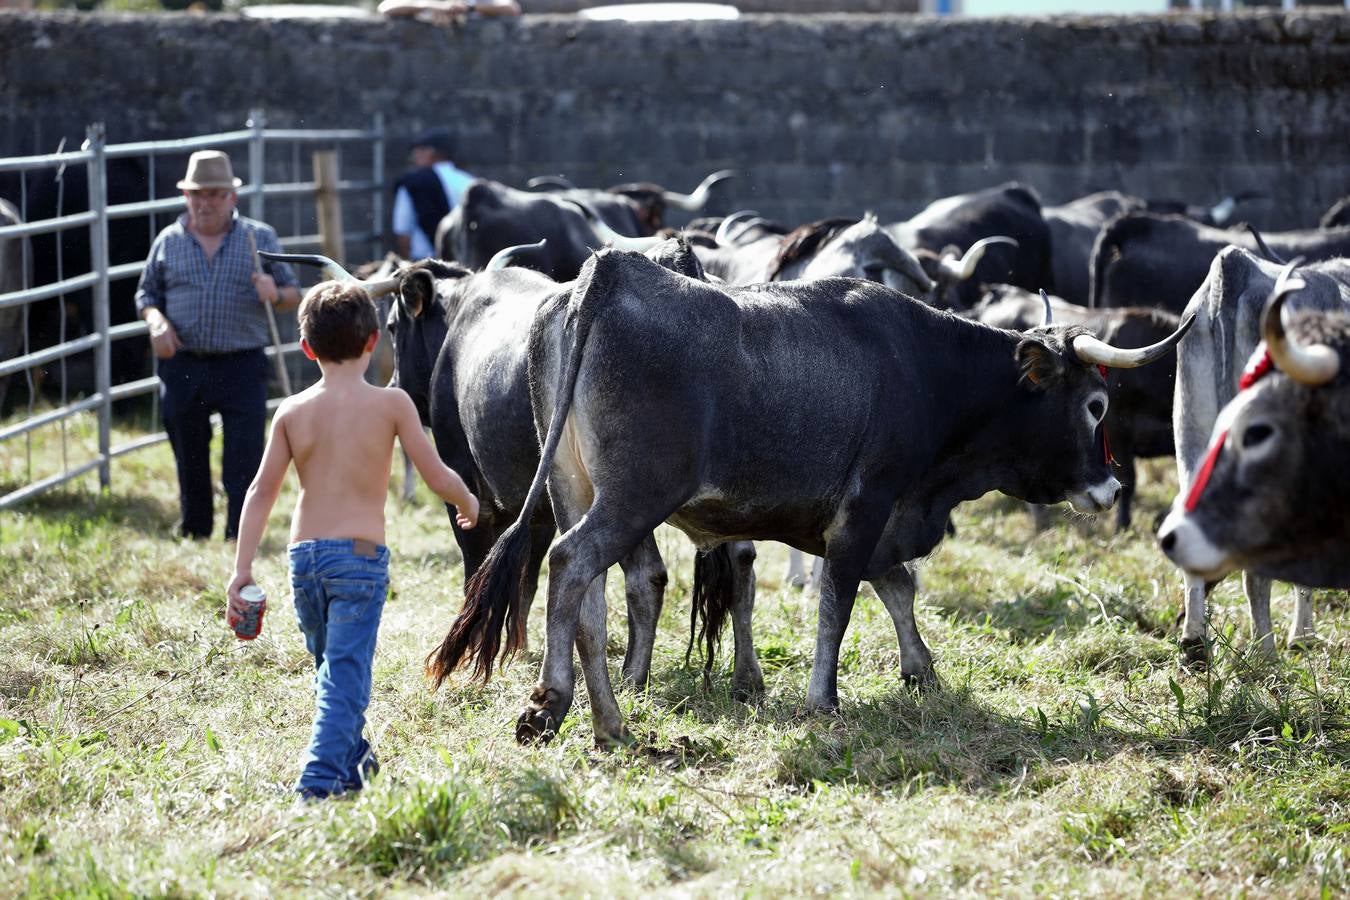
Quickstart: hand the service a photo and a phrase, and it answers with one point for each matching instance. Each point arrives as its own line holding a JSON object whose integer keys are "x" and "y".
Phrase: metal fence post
{"x": 257, "y": 177}
{"x": 95, "y": 140}
{"x": 377, "y": 179}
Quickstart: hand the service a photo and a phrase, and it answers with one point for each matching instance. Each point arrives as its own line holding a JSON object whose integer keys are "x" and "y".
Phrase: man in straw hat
{"x": 202, "y": 296}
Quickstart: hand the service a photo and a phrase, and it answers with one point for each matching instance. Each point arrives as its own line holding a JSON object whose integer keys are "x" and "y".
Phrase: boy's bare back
{"x": 341, "y": 438}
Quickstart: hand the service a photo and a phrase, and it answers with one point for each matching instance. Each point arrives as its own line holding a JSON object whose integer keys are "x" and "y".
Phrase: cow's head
{"x": 418, "y": 325}
{"x": 1271, "y": 491}
{"x": 1064, "y": 453}
{"x": 844, "y": 248}
{"x": 951, "y": 271}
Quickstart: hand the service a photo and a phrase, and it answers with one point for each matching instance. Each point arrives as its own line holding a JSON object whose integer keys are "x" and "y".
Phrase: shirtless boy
{"x": 340, "y": 434}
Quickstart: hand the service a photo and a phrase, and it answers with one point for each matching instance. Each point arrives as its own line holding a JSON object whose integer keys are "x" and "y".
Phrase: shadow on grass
{"x": 77, "y": 514}
{"x": 1242, "y": 707}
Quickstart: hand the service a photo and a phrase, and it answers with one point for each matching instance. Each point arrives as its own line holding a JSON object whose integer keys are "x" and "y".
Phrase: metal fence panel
{"x": 94, "y": 155}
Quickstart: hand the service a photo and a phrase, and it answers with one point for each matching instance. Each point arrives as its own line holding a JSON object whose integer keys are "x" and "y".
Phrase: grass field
{"x": 146, "y": 752}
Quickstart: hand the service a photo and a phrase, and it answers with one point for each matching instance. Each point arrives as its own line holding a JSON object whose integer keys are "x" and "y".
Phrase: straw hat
{"x": 209, "y": 169}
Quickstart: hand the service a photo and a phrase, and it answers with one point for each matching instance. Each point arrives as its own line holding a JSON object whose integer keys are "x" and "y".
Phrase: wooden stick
{"x": 278, "y": 358}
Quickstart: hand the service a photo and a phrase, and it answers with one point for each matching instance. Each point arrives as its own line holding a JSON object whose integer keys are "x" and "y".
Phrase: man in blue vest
{"x": 426, "y": 194}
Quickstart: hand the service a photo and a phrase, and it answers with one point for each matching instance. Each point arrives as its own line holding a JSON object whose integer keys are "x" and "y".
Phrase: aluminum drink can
{"x": 249, "y": 625}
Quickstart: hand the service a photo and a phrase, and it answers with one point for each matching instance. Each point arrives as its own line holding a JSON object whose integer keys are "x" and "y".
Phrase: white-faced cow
{"x": 836, "y": 415}
{"x": 1227, "y": 311}
{"x": 1273, "y": 494}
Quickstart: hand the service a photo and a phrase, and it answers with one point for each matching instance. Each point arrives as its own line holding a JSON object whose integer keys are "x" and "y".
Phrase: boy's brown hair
{"x": 336, "y": 320}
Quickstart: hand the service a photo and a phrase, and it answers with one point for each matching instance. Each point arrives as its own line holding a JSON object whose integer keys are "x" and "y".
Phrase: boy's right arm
{"x": 439, "y": 477}
{"x": 258, "y": 502}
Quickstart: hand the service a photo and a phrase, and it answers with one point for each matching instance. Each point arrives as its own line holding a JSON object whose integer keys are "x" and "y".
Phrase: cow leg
{"x": 1042, "y": 516}
{"x": 747, "y": 680}
{"x": 1303, "y": 633}
{"x": 1127, "y": 479}
{"x": 409, "y": 479}
{"x": 541, "y": 536}
{"x": 474, "y": 543}
{"x": 817, "y": 572}
{"x": 645, "y": 586}
{"x": 1257, "y": 590}
{"x": 1193, "y": 649}
{"x": 796, "y": 570}
{"x": 576, "y": 617}
{"x": 897, "y": 589}
{"x": 838, "y": 590}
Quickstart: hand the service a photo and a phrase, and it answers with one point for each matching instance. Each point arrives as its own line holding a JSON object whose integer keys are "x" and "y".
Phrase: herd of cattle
{"x": 841, "y": 386}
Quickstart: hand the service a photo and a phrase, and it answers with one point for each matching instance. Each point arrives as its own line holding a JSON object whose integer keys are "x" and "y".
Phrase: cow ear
{"x": 416, "y": 292}
{"x": 1042, "y": 366}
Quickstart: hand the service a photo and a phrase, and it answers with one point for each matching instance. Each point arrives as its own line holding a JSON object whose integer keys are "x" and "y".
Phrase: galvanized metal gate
{"x": 94, "y": 156}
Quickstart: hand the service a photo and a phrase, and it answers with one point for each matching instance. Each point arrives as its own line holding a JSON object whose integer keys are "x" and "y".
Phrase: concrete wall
{"x": 823, "y": 114}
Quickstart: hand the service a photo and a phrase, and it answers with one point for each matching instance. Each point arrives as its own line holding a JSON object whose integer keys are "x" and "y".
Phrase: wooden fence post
{"x": 328, "y": 205}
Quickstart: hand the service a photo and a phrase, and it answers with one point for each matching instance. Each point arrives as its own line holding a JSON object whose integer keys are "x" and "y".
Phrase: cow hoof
{"x": 823, "y": 705}
{"x": 618, "y": 741}
{"x": 744, "y": 690}
{"x": 1195, "y": 655}
{"x": 924, "y": 679}
{"x": 1304, "y": 641}
{"x": 536, "y": 725}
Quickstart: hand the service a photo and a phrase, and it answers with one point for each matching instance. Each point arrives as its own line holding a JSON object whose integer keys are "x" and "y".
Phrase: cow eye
{"x": 1097, "y": 407}
{"x": 1255, "y": 435}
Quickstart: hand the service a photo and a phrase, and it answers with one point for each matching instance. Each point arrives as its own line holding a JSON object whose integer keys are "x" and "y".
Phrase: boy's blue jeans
{"x": 340, "y": 588}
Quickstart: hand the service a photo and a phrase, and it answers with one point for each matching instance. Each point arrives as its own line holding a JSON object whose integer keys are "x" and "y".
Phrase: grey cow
{"x": 1210, "y": 361}
{"x": 1274, "y": 493}
{"x": 835, "y": 415}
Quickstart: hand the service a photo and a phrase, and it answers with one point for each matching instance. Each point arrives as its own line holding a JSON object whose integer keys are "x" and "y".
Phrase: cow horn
{"x": 1261, "y": 246}
{"x": 694, "y": 202}
{"x": 1093, "y": 352}
{"x": 621, "y": 242}
{"x": 1311, "y": 365}
{"x": 960, "y": 271}
{"x": 1049, "y": 313}
{"x": 903, "y": 263}
{"x": 724, "y": 230}
{"x": 502, "y": 258}
{"x": 549, "y": 183}
{"x": 335, "y": 271}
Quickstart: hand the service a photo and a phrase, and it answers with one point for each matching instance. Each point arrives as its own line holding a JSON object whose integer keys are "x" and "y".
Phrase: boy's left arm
{"x": 258, "y": 502}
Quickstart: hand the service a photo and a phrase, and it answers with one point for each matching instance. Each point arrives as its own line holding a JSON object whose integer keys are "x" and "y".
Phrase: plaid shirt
{"x": 213, "y": 305}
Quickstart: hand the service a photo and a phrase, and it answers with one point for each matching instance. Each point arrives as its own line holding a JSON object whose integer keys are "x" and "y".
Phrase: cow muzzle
{"x": 1097, "y": 498}
{"x": 1184, "y": 542}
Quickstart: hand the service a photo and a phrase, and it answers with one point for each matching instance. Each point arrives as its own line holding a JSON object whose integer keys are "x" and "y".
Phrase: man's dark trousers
{"x": 194, "y": 385}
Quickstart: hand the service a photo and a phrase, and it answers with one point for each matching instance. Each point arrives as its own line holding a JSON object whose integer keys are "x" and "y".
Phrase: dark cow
{"x": 662, "y": 398}
{"x": 11, "y": 280}
{"x": 1274, "y": 492}
{"x": 1073, "y": 230}
{"x": 1227, "y": 311}
{"x": 1138, "y": 423}
{"x": 949, "y": 227}
{"x": 1221, "y": 215}
{"x": 459, "y": 345}
{"x": 828, "y": 248}
{"x": 637, "y": 209}
{"x": 40, "y": 195}
{"x": 491, "y": 217}
{"x": 1146, "y": 259}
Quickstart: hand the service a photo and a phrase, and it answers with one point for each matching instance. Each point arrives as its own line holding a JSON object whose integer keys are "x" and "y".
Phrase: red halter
{"x": 1106, "y": 445}
{"x": 1257, "y": 367}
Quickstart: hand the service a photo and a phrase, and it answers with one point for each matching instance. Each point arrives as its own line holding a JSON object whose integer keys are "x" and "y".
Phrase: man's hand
{"x": 466, "y": 516}
{"x": 163, "y": 339}
{"x": 266, "y": 287}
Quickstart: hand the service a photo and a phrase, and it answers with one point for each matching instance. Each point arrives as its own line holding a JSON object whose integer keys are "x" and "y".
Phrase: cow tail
{"x": 714, "y": 593}
{"x": 492, "y": 596}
